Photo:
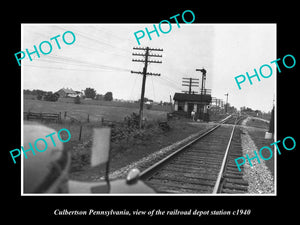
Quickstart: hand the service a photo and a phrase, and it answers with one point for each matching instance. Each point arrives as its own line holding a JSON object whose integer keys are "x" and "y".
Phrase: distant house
{"x": 68, "y": 93}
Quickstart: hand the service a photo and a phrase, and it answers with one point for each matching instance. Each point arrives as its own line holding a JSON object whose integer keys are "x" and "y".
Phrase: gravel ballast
{"x": 258, "y": 175}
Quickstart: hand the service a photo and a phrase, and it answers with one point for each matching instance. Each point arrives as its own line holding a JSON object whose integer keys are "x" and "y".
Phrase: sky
{"x": 101, "y": 58}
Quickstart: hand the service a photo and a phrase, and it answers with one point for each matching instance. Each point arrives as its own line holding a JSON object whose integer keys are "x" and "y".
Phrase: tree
{"x": 27, "y": 92}
{"x": 38, "y": 92}
{"x": 99, "y": 97}
{"x": 39, "y": 97}
{"x": 90, "y": 93}
{"x": 108, "y": 96}
{"x": 53, "y": 97}
{"x": 77, "y": 100}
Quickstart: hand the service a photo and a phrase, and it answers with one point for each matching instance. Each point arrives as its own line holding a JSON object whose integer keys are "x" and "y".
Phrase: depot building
{"x": 184, "y": 103}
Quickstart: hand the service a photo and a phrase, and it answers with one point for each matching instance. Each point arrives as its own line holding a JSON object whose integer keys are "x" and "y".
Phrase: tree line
{"x": 54, "y": 96}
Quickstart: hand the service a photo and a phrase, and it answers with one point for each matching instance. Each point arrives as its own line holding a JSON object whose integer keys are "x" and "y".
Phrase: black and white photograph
{"x": 145, "y": 113}
{"x": 144, "y": 109}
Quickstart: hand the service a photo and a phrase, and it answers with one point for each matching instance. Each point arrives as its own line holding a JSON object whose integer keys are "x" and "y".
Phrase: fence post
{"x": 80, "y": 132}
{"x": 65, "y": 115}
{"x": 88, "y": 118}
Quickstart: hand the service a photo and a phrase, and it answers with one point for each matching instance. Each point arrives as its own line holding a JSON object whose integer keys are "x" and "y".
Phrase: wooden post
{"x": 171, "y": 105}
{"x": 65, "y": 115}
{"x": 88, "y": 118}
{"x": 80, "y": 129}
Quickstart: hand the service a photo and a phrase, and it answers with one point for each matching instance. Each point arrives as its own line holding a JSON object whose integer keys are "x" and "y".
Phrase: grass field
{"x": 123, "y": 150}
{"x": 113, "y": 111}
{"x": 110, "y": 111}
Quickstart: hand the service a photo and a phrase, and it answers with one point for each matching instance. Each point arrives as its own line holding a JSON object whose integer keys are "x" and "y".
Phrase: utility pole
{"x": 145, "y": 73}
{"x": 190, "y": 82}
{"x": 226, "y": 102}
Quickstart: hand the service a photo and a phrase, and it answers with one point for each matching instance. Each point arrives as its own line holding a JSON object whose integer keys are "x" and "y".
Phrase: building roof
{"x": 68, "y": 90}
{"x": 192, "y": 97}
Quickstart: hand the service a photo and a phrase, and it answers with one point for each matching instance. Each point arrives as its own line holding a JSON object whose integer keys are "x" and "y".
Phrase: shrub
{"x": 51, "y": 97}
{"x": 77, "y": 100}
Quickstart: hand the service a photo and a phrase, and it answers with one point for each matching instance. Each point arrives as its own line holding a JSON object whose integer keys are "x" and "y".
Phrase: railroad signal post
{"x": 145, "y": 73}
{"x": 202, "y": 90}
{"x": 226, "y": 102}
{"x": 203, "y": 79}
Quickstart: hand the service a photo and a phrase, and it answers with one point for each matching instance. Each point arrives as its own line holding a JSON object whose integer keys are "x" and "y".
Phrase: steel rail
{"x": 145, "y": 172}
{"x": 220, "y": 175}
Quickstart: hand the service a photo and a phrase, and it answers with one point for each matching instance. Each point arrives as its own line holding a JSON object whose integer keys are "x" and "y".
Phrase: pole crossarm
{"x": 154, "y": 61}
{"x": 153, "y": 74}
{"x": 155, "y": 49}
{"x": 139, "y": 48}
{"x": 155, "y": 55}
{"x": 185, "y": 82}
{"x": 190, "y": 85}
{"x": 190, "y": 78}
{"x": 151, "y": 49}
{"x": 152, "y": 55}
{"x": 148, "y": 73}
{"x": 136, "y": 72}
{"x": 138, "y": 54}
{"x": 138, "y": 60}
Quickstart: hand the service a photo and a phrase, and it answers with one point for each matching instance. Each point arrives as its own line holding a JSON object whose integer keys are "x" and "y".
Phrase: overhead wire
{"x": 130, "y": 97}
{"x": 153, "y": 88}
{"x": 96, "y": 66}
{"x": 61, "y": 68}
{"x": 97, "y": 41}
{"x": 112, "y": 34}
{"x": 105, "y": 48}
{"x": 77, "y": 62}
{"x": 171, "y": 83}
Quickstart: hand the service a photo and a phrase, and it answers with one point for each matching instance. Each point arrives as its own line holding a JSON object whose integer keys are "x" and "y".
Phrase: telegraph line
{"x": 94, "y": 67}
{"x": 171, "y": 83}
{"x": 61, "y": 68}
{"x": 94, "y": 48}
{"x": 112, "y": 34}
{"x": 88, "y": 36}
{"x": 71, "y": 61}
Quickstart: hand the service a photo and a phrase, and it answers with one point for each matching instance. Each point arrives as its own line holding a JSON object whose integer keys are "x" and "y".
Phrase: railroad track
{"x": 205, "y": 165}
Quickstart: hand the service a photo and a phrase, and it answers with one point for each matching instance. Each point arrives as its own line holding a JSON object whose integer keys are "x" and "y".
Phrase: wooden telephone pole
{"x": 190, "y": 82}
{"x": 145, "y": 73}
